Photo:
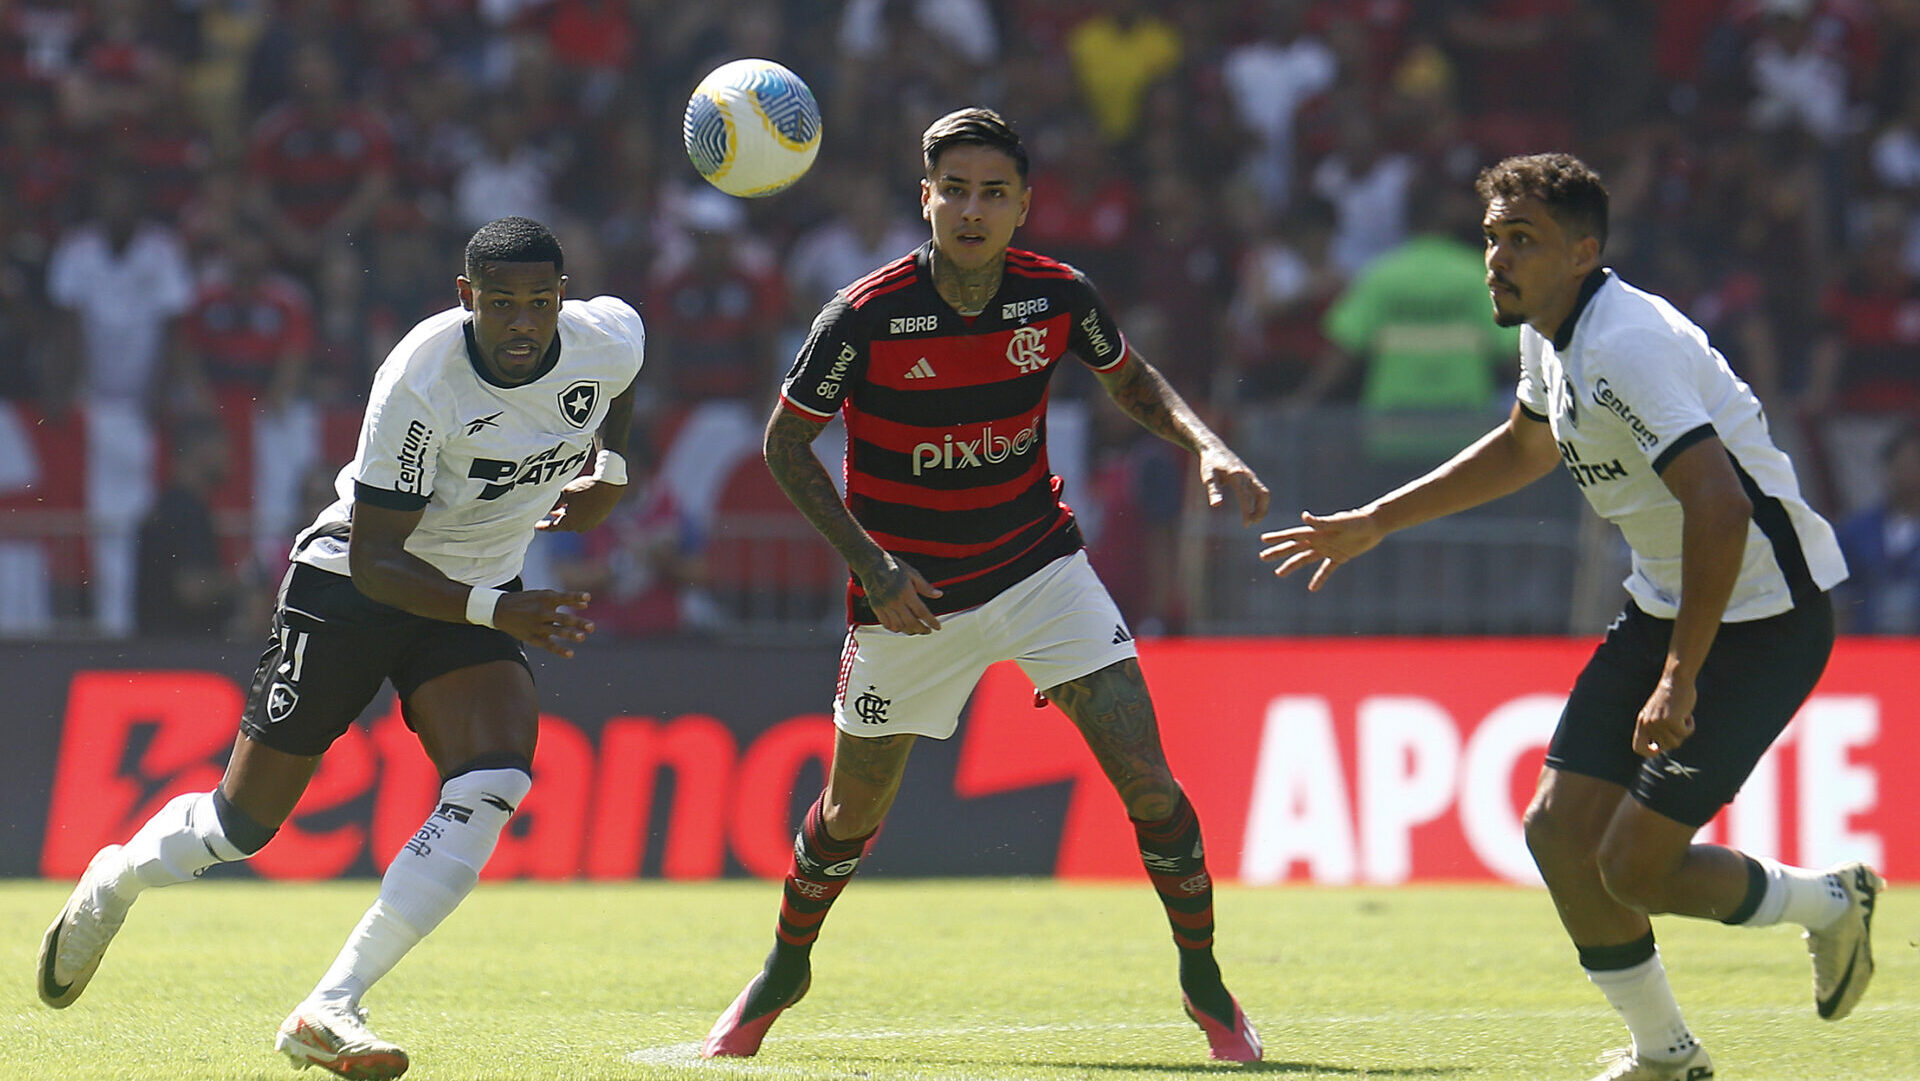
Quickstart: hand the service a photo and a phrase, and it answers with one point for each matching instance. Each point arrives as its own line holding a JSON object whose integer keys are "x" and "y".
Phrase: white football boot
{"x": 78, "y": 938}
{"x": 334, "y": 1036}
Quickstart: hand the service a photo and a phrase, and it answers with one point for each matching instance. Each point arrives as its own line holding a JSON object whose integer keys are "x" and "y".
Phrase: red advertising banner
{"x": 1322, "y": 760}
{"x": 1384, "y": 761}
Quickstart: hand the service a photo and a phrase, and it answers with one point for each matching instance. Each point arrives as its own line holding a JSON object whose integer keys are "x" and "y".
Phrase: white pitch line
{"x": 688, "y": 1054}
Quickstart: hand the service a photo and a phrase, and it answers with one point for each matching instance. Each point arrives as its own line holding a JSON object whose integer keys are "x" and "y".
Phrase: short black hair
{"x": 1571, "y": 190}
{"x": 513, "y": 240}
{"x": 976, "y": 127}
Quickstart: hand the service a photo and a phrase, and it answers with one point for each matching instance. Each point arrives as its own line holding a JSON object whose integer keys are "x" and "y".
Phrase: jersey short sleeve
{"x": 399, "y": 448}
{"x": 1531, "y": 390}
{"x": 1650, "y": 384}
{"x": 831, "y": 362}
{"x": 1096, "y": 337}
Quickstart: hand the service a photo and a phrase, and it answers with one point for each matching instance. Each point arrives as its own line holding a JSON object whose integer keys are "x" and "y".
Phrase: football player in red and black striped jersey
{"x": 962, "y": 551}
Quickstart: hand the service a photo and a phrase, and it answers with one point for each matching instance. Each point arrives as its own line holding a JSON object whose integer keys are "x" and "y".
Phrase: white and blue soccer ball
{"x": 752, "y": 128}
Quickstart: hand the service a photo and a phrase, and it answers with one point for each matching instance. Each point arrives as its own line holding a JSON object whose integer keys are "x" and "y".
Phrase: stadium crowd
{"x": 220, "y": 214}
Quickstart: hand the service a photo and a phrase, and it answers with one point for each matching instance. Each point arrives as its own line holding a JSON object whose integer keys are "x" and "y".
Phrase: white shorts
{"x": 1057, "y": 624}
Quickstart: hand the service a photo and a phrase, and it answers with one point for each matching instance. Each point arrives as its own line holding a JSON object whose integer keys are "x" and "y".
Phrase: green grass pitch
{"x": 997, "y": 980}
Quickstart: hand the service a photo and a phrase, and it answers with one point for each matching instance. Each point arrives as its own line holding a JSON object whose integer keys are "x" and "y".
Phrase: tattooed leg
{"x": 1115, "y": 717}
{"x": 864, "y": 779}
{"x": 1113, "y": 713}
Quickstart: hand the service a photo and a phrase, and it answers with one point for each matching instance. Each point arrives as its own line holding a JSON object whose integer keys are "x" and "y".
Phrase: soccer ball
{"x": 752, "y": 128}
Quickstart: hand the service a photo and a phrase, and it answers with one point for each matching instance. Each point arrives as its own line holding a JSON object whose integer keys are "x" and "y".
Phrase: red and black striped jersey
{"x": 946, "y": 417}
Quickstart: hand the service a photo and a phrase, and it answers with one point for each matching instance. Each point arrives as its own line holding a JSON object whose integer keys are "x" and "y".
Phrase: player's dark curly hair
{"x": 978, "y": 127}
{"x": 513, "y": 240}
{"x": 1572, "y": 192}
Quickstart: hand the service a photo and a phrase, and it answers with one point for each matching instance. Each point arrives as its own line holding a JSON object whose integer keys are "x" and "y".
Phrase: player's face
{"x": 1534, "y": 267}
{"x": 974, "y": 200}
{"x": 516, "y": 313}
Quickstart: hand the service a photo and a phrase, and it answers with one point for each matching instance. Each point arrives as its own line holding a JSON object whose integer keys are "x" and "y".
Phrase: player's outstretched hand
{"x": 539, "y": 617}
{"x": 895, "y": 592}
{"x": 1221, "y": 470}
{"x": 1331, "y": 540}
{"x": 583, "y": 504}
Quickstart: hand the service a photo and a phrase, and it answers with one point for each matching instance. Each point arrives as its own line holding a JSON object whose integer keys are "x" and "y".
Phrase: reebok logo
{"x": 491, "y": 420}
{"x": 1677, "y": 769}
{"x": 920, "y": 370}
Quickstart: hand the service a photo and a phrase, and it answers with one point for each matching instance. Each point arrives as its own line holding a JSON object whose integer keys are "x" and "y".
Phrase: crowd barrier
{"x": 1322, "y": 760}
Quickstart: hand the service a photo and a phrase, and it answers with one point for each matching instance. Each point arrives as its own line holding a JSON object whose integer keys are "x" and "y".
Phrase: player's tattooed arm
{"x": 893, "y": 588}
{"x": 1138, "y": 388}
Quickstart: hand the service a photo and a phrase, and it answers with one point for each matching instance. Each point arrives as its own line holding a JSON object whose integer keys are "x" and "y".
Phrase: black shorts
{"x": 331, "y": 650}
{"x": 1754, "y": 680}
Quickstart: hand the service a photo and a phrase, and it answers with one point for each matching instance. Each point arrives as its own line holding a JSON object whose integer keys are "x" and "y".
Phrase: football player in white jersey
{"x": 493, "y": 419}
{"x": 1727, "y": 627}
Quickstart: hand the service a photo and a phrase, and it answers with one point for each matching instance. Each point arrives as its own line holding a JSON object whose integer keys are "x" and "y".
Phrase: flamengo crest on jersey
{"x": 946, "y": 416}
{"x": 1634, "y": 385}
{"x": 485, "y": 461}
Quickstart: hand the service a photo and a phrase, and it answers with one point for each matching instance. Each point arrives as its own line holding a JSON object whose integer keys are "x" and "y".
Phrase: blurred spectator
{"x": 1118, "y": 53}
{"x": 1799, "y": 75}
{"x": 186, "y": 588}
{"x": 1285, "y": 284}
{"x": 247, "y": 340}
{"x": 1519, "y": 62}
{"x": 122, "y": 69}
{"x": 1269, "y": 79}
{"x": 865, "y": 231}
{"x": 245, "y": 351}
{"x": 1868, "y": 358}
{"x": 642, "y": 565}
{"x": 1190, "y": 257}
{"x": 123, "y": 278}
{"x": 1089, "y": 215}
{"x": 1894, "y": 169}
{"x": 1224, "y": 168}
{"x": 274, "y": 74}
{"x": 1367, "y": 185}
{"x": 319, "y": 164}
{"x": 27, "y": 361}
{"x": 1131, "y": 506}
{"x": 1882, "y": 544}
{"x": 714, "y": 307}
{"x": 1418, "y": 322}
{"x": 507, "y": 174}
{"x": 39, "y": 171}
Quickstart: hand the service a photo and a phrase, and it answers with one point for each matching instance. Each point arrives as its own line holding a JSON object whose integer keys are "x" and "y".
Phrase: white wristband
{"x": 481, "y": 602}
{"x": 610, "y": 468}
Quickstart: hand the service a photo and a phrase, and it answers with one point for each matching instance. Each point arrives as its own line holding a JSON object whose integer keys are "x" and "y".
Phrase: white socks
{"x": 1812, "y": 899}
{"x": 1643, "y": 1000}
{"x": 176, "y": 845}
{"x": 429, "y": 877}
